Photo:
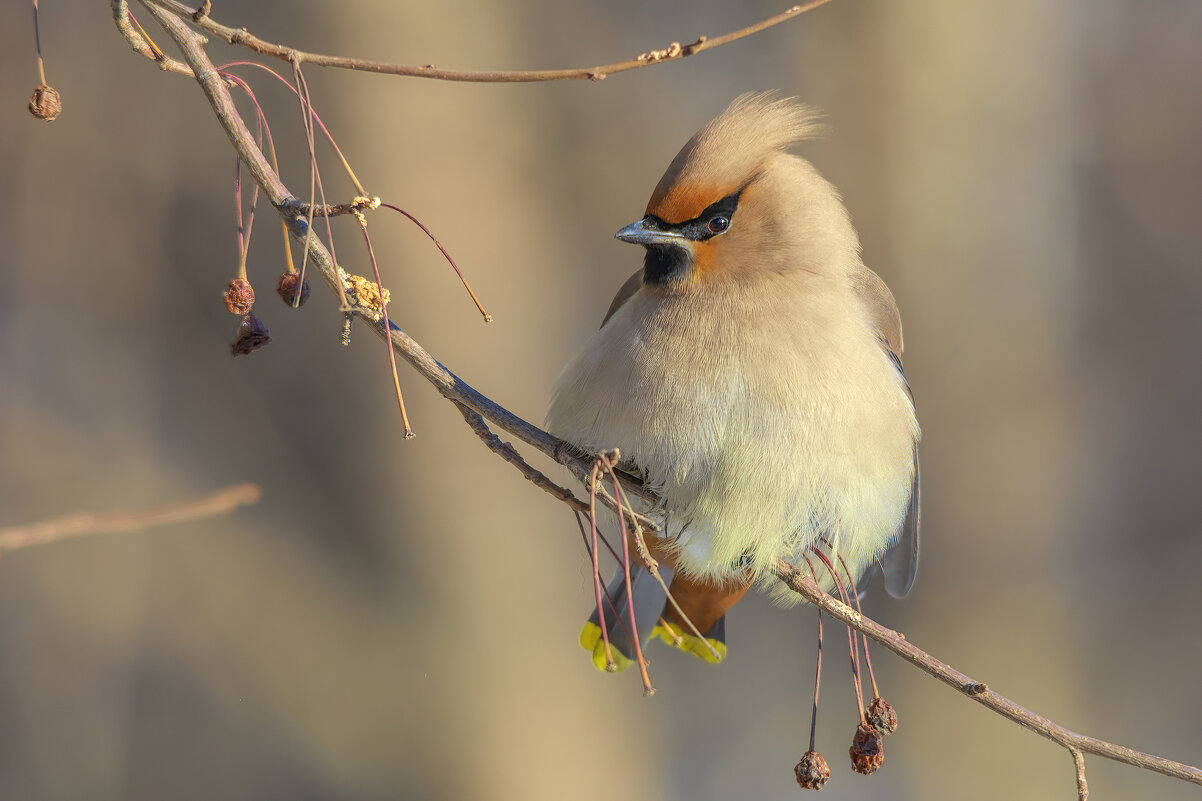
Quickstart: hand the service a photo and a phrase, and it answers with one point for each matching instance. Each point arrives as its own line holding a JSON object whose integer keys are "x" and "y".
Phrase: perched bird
{"x": 750, "y": 374}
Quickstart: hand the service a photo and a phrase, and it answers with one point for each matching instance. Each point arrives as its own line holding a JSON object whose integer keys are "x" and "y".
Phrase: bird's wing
{"x": 633, "y": 284}
{"x": 882, "y": 309}
{"x": 900, "y": 562}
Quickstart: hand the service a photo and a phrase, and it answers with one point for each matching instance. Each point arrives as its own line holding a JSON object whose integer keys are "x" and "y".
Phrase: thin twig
{"x": 37, "y": 40}
{"x": 649, "y": 563}
{"x": 853, "y": 642}
{"x": 817, "y": 684}
{"x": 610, "y": 665}
{"x": 855, "y": 594}
{"x": 139, "y": 43}
{"x": 479, "y": 306}
{"x": 224, "y": 68}
{"x": 636, "y": 641}
{"x": 1079, "y": 767}
{"x": 673, "y": 52}
{"x": 802, "y": 584}
{"x": 396, "y": 380}
{"x": 78, "y": 525}
{"x": 818, "y": 668}
{"x": 306, "y": 104}
{"x": 509, "y": 454}
{"x": 455, "y": 389}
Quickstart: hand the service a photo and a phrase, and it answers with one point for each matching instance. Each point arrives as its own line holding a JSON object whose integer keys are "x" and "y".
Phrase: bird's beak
{"x": 647, "y": 232}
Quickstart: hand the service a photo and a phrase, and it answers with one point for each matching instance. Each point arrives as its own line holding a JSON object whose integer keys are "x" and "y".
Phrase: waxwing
{"x": 750, "y": 374}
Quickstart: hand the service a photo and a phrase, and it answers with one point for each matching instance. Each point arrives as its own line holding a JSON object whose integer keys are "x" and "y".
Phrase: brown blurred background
{"x": 399, "y": 619}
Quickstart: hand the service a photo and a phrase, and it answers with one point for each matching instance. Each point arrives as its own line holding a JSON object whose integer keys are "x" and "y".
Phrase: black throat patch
{"x": 665, "y": 262}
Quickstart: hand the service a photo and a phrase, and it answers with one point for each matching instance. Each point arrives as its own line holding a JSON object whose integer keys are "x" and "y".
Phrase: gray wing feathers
{"x": 882, "y": 308}
{"x": 900, "y": 562}
{"x": 633, "y": 284}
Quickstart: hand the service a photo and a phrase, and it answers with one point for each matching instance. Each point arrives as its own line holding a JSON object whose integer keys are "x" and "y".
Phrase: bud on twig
{"x": 45, "y": 104}
{"x": 812, "y": 771}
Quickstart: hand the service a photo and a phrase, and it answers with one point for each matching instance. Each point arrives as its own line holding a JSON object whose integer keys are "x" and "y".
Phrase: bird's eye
{"x": 719, "y": 224}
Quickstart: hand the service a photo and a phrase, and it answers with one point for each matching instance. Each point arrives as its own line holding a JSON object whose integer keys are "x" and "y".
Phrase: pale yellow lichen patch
{"x": 851, "y": 613}
{"x": 367, "y": 295}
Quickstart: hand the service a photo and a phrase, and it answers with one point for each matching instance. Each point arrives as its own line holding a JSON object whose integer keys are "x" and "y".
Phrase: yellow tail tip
{"x": 710, "y": 650}
{"x": 590, "y": 640}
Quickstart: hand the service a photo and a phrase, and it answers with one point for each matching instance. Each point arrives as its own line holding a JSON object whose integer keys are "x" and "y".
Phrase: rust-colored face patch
{"x": 705, "y": 260}
{"x": 680, "y": 202}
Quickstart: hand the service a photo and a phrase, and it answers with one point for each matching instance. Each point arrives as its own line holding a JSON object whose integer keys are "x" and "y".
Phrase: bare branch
{"x": 509, "y": 454}
{"x": 139, "y": 42}
{"x": 78, "y": 525}
{"x": 1079, "y": 767}
{"x": 978, "y": 691}
{"x": 477, "y": 408}
{"x": 355, "y": 206}
{"x": 673, "y": 52}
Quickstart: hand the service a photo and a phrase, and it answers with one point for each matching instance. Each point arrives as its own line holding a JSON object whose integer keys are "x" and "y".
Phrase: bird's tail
{"x": 704, "y": 604}
{"x": 649, "y": 599}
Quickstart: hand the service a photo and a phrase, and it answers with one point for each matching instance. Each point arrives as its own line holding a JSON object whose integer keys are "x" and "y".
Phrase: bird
{"x": 750, "y": 375}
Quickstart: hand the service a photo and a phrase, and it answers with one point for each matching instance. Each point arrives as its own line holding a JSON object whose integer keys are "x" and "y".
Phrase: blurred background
{"x": 399, "y": 619}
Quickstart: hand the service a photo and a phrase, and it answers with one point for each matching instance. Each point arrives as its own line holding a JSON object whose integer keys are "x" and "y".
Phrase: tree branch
{"x": 78, "y": 525}
{"x": 141, "y": 45}
{"x": 476, "y": 408}
{"x": 801, "y": 583}
{"x": 447, "y": 383}
{"x": 672, "y": 52}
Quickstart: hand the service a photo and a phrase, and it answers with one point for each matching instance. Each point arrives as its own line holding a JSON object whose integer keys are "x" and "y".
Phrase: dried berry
{"x": 251, "y": 336}
{"x": 812, "y": 771}
{"x": 867, "y": 750}
{"x": 287, "y": 288}
{"x": 239, "y": 296}
{"x": 45, "y": 104}
{"x": 881, "y": 716}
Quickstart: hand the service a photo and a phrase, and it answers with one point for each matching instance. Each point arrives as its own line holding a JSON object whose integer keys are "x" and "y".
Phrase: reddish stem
{"x": 638, "y": 646}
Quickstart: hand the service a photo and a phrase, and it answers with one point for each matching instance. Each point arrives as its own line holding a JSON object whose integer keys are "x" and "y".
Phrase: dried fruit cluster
{"x": 252, "y": 334}
{"x": 867, "y": 750}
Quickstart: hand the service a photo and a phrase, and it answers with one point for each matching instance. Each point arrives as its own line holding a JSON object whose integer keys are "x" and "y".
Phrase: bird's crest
{"x": 728, "y": 151}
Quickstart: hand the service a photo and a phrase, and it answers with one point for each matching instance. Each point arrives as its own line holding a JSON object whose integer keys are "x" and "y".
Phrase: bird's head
{"x": 733, "y": 201}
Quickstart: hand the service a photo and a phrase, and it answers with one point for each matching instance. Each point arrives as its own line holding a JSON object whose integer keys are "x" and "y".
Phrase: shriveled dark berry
{"x": 46, "y": 103}
{"x": 882, "y": 716}
{"x": 812, "y": 771}
{"x": 287, "y": 287}
{"x": 251, "y": 336}
{"x": 239, "y": 296}
{"x": 867, "y": 752}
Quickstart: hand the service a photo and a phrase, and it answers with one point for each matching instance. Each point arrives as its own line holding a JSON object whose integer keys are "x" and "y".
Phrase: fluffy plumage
{"x": 756, "y": 385}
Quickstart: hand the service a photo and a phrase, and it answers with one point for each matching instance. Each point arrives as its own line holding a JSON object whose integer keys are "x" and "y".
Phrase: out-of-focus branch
{"x": 78, "y": 525}
{"x": 477, "y": 408}
{"x": 672, "y": 52}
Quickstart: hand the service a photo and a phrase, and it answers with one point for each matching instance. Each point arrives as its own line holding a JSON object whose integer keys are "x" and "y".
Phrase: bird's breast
{"x": 752, "y": 417}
